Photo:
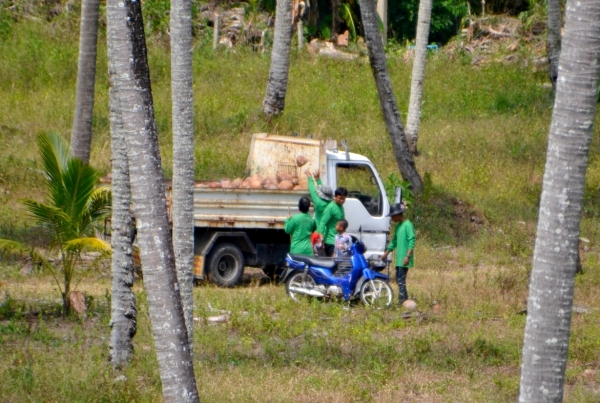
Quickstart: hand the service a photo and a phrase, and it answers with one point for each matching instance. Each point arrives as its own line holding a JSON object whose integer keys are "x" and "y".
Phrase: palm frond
{"x": 9, "y": 246}
{"x": 88, "y": 244}
{"x": 79, "y": 182}
{"x": 54, "y": 154}
{"x": 100, "y": 204}
{"x": 51, "y": 217}
{"x": 349, "y": 17}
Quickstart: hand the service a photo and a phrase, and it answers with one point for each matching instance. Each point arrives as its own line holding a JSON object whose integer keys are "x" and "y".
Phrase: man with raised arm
{"x": 321, "y": 195}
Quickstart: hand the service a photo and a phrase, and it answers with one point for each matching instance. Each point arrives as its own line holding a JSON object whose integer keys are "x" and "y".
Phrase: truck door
{"x": 366, "y": 205}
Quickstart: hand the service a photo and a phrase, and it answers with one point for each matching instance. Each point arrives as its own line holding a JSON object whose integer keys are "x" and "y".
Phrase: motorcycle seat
{"x": 324, "y": 262}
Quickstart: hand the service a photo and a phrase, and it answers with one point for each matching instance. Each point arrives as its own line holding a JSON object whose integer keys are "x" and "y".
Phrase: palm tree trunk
{"x": 387, "y": 100}
{"x": 418, "y": 74}
{"x": 336, "y": 20}
{"x": 274, "y": 101}
{"x": 81, "y": 137}
{"x": 149, "y": 203}
{"x": 123, "y": 305}
{"x": 183, "y": 154}
{"x": 551, "y": 287}
{"x": 553, "y": 44}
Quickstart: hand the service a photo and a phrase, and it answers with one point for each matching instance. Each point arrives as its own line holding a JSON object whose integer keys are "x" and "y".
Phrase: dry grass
{"x": 274, "y": 350}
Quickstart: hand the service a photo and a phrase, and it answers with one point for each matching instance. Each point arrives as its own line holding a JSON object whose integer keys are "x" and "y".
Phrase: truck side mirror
{"x": 398, "y": 194}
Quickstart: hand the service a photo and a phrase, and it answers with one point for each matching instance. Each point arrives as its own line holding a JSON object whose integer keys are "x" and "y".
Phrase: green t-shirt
{"x": 404, "y": 239}
{"x": 319, "y": 203}
{"x": 300, "y": 226}
{"x": 332, "y": 214}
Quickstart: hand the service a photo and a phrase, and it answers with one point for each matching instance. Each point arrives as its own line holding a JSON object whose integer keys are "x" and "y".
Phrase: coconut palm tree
{"x": 551, "y": 288}
{"x": 274, "y": 100}
{"x": 123, "y": 320}
{"x": 553, "y": 43}
{"x": 81, "y": 137}
{"x": 73, "y": 210}
{"x": 131, "y": 77}
{"x": 413, "y": 119}
{"x": 183, "y": 154}
{"x": 387, "y": 100}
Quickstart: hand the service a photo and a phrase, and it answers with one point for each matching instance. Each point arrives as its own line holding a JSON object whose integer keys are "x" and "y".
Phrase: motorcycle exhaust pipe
{"x": 306, "y": 291}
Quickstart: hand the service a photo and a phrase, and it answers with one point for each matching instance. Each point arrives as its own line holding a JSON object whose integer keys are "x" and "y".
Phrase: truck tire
{"x": 225, "y": 265}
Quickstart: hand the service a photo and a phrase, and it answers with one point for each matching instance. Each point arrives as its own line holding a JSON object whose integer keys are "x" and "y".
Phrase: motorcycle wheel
{"x": 299, "y": 280}
{"x": 376, "y": 293}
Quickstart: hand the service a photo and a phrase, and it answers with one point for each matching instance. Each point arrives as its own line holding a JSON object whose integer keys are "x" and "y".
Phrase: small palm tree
{"x": 73, "y": 209}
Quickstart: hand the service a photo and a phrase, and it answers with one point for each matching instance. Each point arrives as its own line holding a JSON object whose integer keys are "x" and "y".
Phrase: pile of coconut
{"x": 281, "y": 181}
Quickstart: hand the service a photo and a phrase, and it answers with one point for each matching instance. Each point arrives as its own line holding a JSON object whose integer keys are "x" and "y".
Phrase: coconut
{"x": 301, "y": 160}
{"x": 284, "y": 177}
{"x": 214, "y": 185}
{"x": 409, "y": 304}
{"x": 255, "y": 184}
{"x": 236, "y": 183}
{"x": 297, "y": 187}
{"x": 271, "y": 186}
{"x": 285, "y": 185}
{"x": 270, "y": 181}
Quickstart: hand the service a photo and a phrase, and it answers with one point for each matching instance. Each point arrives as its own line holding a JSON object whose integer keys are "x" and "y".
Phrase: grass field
{"x": 482, "y": 139}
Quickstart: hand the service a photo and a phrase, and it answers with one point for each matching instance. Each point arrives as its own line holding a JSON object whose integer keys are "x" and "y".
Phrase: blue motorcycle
{"x": 353, "y": 278}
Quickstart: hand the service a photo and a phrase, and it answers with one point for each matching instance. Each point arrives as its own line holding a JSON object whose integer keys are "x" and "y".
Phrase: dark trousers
{"x": 401, "y": 273}
{"x": 329, "y": 250}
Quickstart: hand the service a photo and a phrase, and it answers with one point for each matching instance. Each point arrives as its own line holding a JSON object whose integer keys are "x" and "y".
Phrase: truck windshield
{"x": 360, "y": 181}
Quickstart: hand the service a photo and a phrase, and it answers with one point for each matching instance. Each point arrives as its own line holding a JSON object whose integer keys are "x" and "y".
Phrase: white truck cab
{"x": 367, "y": 205}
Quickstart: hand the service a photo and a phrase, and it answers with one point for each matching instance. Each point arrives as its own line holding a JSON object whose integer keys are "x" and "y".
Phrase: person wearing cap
{"x": 333, "y": 213}
{"x": 404, "y": 242}
{"x": 301, "y": 226}
{"x": 321, "y": 195}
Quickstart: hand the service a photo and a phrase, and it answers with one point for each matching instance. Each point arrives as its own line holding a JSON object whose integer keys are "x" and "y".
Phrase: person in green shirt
{"x": 331, "y": 215}
{"x": 301, "y": 226}
{"x": 320, "y": 195}
{"x": 404, "y": 242}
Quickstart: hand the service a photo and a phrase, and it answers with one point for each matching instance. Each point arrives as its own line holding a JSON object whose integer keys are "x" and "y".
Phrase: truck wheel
{"x": 225, "y": 265}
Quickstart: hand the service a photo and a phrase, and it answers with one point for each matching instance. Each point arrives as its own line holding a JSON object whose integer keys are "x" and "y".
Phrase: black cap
{"x": 396, "y": 209}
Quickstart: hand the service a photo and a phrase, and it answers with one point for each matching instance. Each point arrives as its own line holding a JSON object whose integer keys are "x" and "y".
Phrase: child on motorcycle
{"x": 317, "y": 243}
{"x": 343, "y": 241}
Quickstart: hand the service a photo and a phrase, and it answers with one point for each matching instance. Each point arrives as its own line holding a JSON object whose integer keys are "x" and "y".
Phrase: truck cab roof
{"x": 340, "y": 155}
